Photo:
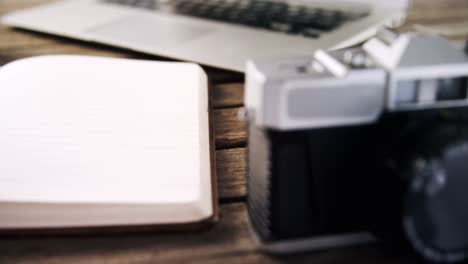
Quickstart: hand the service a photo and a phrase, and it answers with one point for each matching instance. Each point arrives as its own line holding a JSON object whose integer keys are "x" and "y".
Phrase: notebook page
{"x": 103, "y": 131}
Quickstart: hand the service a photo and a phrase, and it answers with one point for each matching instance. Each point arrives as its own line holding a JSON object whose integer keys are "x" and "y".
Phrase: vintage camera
{"x": 362, "y": 144}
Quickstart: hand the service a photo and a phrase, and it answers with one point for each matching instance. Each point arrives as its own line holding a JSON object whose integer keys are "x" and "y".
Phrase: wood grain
{"x": 231, "y": 168}
{"x": 228, "y": 95}
{"x": 230, "y": 131}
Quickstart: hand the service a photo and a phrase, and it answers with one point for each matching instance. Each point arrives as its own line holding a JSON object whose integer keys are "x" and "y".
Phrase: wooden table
{"x": 229, "y": 241}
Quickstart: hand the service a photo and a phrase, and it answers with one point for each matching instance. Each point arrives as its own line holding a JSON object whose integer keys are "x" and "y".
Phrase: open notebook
{"x": 110, "y": 144}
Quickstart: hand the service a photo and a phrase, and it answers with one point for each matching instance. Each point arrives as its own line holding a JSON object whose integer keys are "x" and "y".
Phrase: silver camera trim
{"x": 431, "y": 73}
{"x": 339, "y": 93}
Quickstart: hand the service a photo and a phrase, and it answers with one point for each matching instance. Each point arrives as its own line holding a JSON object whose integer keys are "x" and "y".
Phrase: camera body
{"x": 360, "y": 144}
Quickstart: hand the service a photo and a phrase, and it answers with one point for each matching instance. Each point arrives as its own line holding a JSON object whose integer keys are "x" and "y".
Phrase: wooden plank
{"x": 219, "y": 76}
{"x": 228, "y": 95}
{"x": 436, "y": 11}
{"x": 7, "y": 6}
{"x": 15, "y": 38}
{"x": 429, "y": 4}
{"x": 231, "y": 170}
{"x": 230, "y": 131}
{"x": 452, "y": 30}
{"x": 437, "y": 15}
{"x": 229, "y": 241}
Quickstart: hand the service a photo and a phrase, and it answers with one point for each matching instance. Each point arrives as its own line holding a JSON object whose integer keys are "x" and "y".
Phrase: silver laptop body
{"x": 214, "y": 32}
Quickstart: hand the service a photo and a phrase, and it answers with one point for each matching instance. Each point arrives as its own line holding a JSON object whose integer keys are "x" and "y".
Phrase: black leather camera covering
{"x": 340, "y": 180}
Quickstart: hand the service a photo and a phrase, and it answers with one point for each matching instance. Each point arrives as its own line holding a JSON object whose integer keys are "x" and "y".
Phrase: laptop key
{"x": 310, "y": 32}
{"x": 281, "y": 27}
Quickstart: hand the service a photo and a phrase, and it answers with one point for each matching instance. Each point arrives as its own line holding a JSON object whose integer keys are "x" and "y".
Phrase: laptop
{"x": 219, "y": 33}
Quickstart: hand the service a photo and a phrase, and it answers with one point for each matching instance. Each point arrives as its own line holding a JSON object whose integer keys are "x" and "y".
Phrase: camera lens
{"x": 435, "y": 214}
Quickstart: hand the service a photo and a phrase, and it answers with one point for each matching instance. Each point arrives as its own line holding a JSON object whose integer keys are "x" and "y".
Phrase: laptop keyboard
{"x": 264, "y": 14}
